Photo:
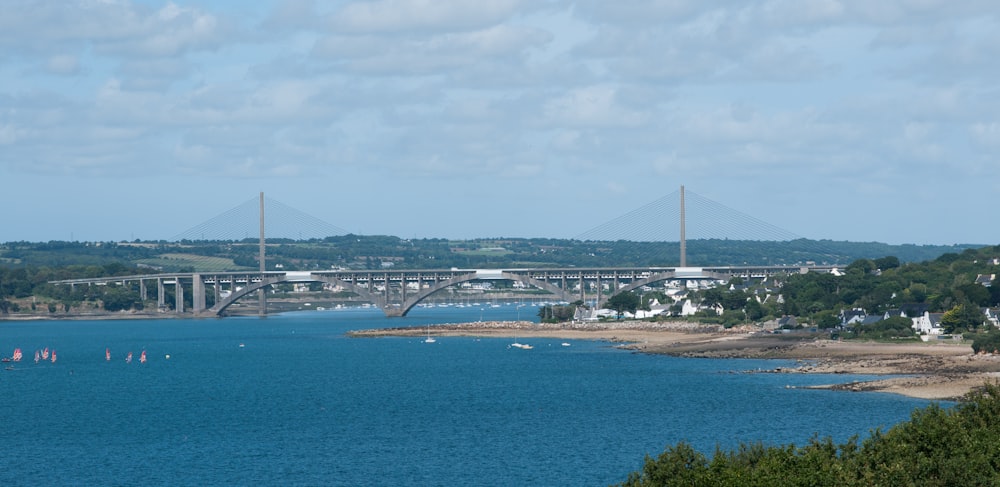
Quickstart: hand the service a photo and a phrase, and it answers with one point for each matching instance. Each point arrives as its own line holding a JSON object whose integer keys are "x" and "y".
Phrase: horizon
{"x": 254, "y": 240}
{"x": 843, "y": 120}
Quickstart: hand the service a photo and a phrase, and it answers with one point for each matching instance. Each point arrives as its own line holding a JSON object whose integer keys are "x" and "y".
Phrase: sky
{"x": 832, "y": 119}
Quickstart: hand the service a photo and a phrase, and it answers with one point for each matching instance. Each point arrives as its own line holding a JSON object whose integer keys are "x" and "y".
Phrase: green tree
{"x": 754, "y": 310}
{"x": 623, "y": 302}
{"x": 964, "y": 316}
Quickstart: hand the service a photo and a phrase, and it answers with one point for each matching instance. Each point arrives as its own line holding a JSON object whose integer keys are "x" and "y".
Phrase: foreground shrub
{"x": 936, "y": 447}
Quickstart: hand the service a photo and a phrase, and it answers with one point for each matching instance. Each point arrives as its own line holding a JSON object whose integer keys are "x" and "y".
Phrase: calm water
{"x": 300, "y": 404}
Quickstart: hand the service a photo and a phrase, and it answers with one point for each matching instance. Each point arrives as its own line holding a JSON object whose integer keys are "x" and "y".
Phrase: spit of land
{"x": 938, "y": 369}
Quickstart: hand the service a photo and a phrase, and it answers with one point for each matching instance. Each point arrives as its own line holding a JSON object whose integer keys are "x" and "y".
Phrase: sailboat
{"x": 142, "y": 357}
{"x": 107, "y": 354}
{"x": 522, "y": 346}
{"x": 17, "y": 355}
{"x": 53, "y": 355}
{"x": 38, "y": 356}
{"x": 429, "y": 339}
{"x": 128, "y": 358}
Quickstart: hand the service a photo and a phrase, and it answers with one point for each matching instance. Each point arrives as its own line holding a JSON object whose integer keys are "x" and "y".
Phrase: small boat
{"x": 38, "y": 356}
{"x": 142, "y": 357}
{"x": 565, "y": 344}
{"x": 17, "y": 355}
{"x": 522, "y": 346}
{"x": 429, "y": 339}
{"x": 107, "y": 354}
{"x": 45, "y": 353}
{"x": 53, "y": 356}
{"x": 128, "y": 358}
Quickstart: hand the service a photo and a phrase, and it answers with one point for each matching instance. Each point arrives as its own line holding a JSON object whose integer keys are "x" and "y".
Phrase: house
{"x": 689, "y": 309}
{"x": 928, "y": 324}
{"x": 851, "y": 317}
{"x": 907, "y": 311}
{"x": 787, "y": 322}
{"x": 985, "y": 279}
{"x": 992, "y": 317}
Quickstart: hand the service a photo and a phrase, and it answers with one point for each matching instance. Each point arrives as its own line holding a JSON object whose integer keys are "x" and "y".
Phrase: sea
{"x": 289, "y": 399}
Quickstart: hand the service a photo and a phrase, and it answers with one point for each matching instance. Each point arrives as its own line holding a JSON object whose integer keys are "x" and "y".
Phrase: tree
{"x": 623, "y": 302}
{"x": 886, "y": 263}
{"x": 964, "y": 316}
{"x": 754, "y": 310}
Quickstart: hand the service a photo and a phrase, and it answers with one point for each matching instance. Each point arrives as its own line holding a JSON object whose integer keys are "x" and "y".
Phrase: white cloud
{"x": 396, "y": 16}
{"x": 756, "y": 94}
{"x": 592, "y": 106}
{"x": 63, "y": 65}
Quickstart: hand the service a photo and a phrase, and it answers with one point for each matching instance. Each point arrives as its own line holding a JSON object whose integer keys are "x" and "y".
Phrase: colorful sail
{"x": 142, "y": 357}
{"x": 128, "y": 358}
{"x": 17, "y": 355}
{"x": 38, "y": 356}
{"x": 53, "y": 356}
{"x": 45, "y": 353}
{"x": 107, "y": 354}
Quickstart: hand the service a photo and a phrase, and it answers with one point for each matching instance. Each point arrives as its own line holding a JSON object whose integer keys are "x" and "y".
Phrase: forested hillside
{"x": 945, "y": 282}
{"x": 376, "y": 252}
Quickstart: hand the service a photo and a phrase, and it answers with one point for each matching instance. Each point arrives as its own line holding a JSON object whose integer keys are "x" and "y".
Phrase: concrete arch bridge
{"x": 396, "y": 292}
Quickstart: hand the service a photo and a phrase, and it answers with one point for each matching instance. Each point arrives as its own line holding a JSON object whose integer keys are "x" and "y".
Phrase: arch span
{"x": 221, "y": 306}
{"x": 412, "y": 301}
{"x": 389, "y": 308}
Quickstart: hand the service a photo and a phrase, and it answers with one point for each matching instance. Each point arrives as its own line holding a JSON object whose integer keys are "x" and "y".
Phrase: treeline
{"x": 936, "y": 447}
{"x": 376, "y": 252}
{"x": 946, "y": 285}
{"x": 17, "y": 284}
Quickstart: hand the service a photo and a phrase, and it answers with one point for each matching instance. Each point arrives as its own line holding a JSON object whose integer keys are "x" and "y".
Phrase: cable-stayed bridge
{"x": 398, "y": 291}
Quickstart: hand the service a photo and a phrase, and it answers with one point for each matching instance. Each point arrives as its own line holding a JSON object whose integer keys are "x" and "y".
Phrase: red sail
{"x": 53, "y": 356}
{"x": 107, "y": 354}
{"x": 142, "y": 357}
{"x": 17, "y": 355}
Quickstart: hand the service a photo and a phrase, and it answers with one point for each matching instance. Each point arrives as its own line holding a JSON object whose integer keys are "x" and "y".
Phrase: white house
{"x": 928, "y": 324}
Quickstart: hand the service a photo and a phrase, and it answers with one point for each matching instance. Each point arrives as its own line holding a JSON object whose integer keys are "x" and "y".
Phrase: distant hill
{"x": 377, "y": 252}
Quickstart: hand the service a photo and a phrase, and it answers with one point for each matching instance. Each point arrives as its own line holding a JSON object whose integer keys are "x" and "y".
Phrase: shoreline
{"x": 934, "y": 371}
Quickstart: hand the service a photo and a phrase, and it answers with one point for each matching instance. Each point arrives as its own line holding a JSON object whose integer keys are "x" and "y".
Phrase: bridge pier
{"x": 160, "y": 295}
{"x": 197, "y": 294}
{"x": 178, "y": 296}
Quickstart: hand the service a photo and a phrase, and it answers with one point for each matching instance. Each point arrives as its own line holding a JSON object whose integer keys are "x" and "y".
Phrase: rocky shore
{"x": 941, "y": 371}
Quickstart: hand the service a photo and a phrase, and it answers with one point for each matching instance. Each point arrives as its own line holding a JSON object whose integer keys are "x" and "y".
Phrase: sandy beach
{"x": 934, "y": 370}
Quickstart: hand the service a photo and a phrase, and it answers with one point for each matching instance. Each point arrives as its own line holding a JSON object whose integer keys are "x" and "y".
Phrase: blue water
{"x": 301, "y": 404}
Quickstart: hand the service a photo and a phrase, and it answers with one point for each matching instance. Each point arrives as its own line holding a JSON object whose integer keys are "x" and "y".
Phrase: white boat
{"x": 429, "y": 339}
{"x": 522, "y": 346}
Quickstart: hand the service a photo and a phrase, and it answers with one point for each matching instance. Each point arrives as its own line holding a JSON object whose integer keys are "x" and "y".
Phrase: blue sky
{"x": 832, "y": 119}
